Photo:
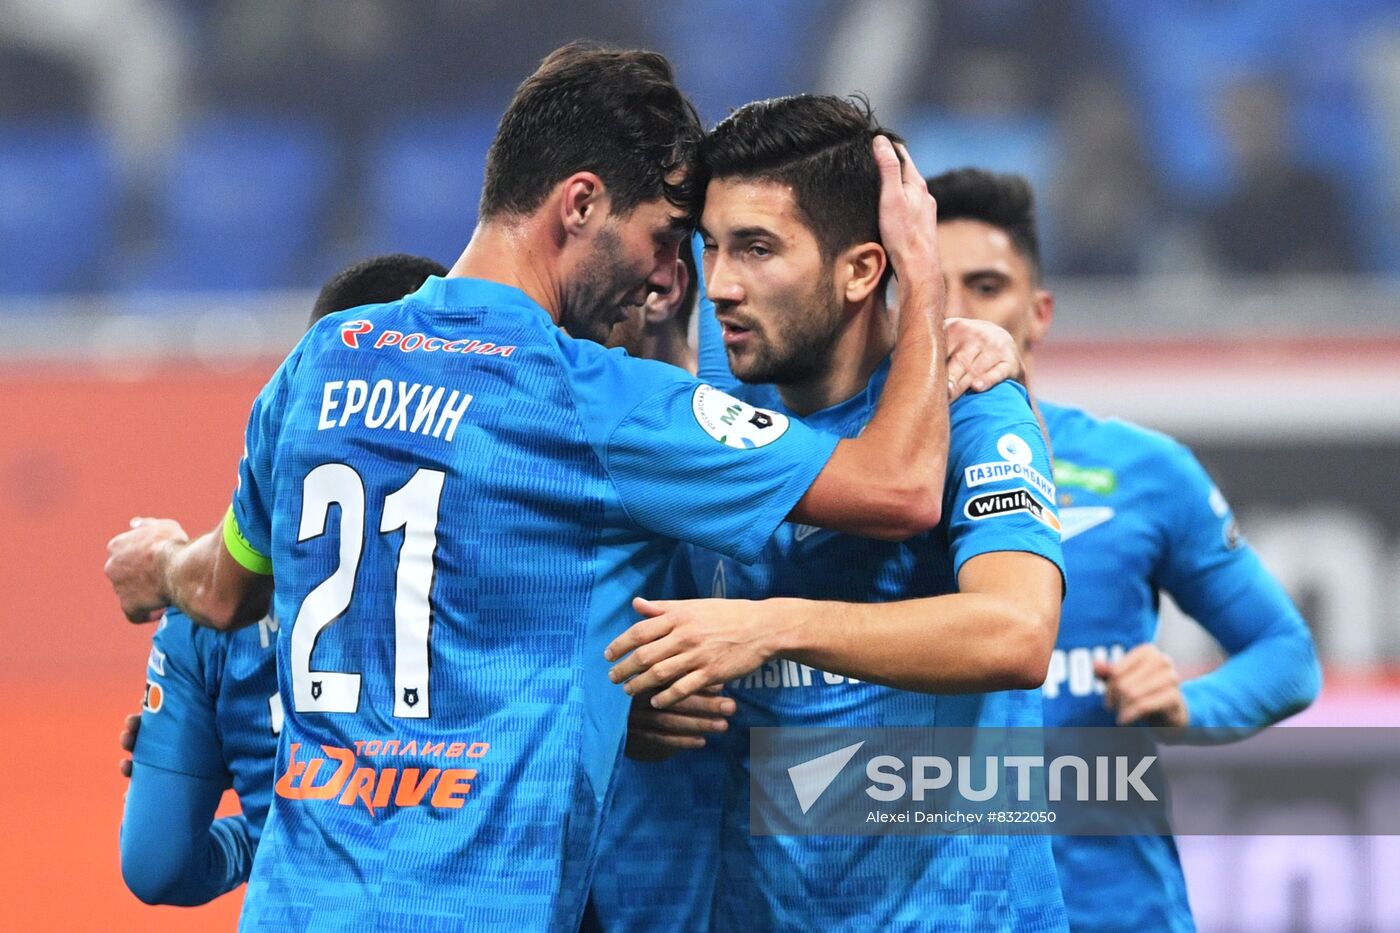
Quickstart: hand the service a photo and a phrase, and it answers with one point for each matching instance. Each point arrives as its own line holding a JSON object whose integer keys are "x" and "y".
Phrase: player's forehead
{"x": 660, "y": 217}
{"x": 969, "y": 246}
{"x": 737, "y": 206}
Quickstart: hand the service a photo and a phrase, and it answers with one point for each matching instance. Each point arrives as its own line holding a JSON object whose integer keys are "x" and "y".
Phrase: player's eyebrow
{"x": 753, "y": 231}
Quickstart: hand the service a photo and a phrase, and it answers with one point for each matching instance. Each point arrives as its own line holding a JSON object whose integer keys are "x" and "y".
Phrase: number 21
{"x": 413, "y": 508}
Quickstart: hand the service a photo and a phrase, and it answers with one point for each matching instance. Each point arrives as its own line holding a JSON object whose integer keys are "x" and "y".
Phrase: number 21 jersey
{"x": 458, "y": 502}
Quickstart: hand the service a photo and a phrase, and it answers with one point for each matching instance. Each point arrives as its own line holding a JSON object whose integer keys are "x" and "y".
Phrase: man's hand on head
{"x": 136, "y": 563}
{"x": 909, "y": 228}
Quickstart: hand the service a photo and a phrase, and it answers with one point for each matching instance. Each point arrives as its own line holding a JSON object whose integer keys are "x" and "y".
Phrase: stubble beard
{"x": 808, "y": 329}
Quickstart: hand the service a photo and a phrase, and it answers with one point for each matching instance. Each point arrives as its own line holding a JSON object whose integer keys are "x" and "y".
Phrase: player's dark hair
{"x": 374, "y": 281}
{"x": 1002, "y": 201}
{"x": 819, "y": 145}
{"x": 617, "y": 113}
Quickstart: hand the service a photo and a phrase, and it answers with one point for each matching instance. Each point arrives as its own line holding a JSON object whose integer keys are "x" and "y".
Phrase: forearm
{"x": 915, "y": 396}
{"x": 959, "y": 643}
{"x": 1270, "y": 679}
{"x": 208, "y": 585}
{"x": 172, "y": 850}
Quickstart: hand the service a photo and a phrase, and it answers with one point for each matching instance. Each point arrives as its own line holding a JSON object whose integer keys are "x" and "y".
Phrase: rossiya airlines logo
{"x": 352, "y": 331}
{"x": 339, "y": 774}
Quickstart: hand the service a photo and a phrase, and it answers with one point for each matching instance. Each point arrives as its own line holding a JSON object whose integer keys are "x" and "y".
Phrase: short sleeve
{"x": 248, "y": 525}
{"x": 1000, "y": 496}
{"x": 693, "y": 463}
{"x": 179, "y": 730}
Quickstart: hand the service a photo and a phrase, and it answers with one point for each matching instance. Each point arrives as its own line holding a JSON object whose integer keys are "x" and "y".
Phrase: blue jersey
{"x": 998, "y": 497}
{"x": 659, "y": 851}
{"x": 1141, "y": 516}
{"x": 458, "y": 502}
{"x": 209, "y": 721}
{"x": 211, "y": 708}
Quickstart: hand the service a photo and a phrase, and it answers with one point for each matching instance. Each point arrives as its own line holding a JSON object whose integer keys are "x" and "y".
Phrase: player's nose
{"x": 721, "y": 286}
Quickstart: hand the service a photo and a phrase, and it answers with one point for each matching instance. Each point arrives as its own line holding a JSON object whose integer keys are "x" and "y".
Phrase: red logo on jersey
{"x": 350, "y": 333}
{"x": 376, "y": 788}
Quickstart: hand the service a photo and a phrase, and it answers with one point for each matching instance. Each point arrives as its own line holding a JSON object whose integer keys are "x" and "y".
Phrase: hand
{"x": 136, "y": 561}
{"x": 131, "y": 727}
{"x": 655, "y": 735}
{"x": 1144, "y": 686}
{"x": 980, "y": 355}
{"x": 686, "y": 645}
{"x": 909, "y": 228}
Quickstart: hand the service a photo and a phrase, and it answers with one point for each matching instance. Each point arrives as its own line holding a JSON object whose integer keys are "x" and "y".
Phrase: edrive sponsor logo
{"x": 892, "y": 778}
{"x": 351, "y": 332}
{"x": 992, "y": 504}
{"x": 351, "y": 781}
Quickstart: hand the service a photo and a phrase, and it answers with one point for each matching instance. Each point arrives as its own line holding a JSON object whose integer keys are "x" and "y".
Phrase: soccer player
{"x": 459, "y": 493}
{"x": 1140, "y": 517}
{"x": 796, "y": 270}
{"x": 211, "y": 712}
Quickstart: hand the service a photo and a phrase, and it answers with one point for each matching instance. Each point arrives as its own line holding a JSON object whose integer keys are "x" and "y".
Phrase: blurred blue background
{"x": 148, "y": 145}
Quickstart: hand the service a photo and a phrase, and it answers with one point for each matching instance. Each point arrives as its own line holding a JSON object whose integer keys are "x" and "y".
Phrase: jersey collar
{"x": 462, "y": 292}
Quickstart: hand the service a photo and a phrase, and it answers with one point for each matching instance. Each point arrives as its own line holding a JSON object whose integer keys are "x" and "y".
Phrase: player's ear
{"x": 859, "y": 270}
{"x": 582, "y": 198}
{"x": 1042, "y": 315}
{"x": 659, "y": 307}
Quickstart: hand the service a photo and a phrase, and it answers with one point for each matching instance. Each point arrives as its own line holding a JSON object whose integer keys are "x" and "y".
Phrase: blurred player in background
{"x": 1140, "y": 516}
{"x": 660, "y": 329}
{"x": 460, "y": 493}
{"x": 212, "y": 713}
{"x": 796, "y": 271}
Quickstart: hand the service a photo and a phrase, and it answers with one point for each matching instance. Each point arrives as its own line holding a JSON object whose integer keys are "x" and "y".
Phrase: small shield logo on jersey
{"x": 154, "y": 698}
{"x": 410, "y": 696}
{"x": 315, "y": 690}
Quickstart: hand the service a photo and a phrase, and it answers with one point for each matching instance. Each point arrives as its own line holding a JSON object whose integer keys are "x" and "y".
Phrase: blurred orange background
{"x": 85, "y": 451}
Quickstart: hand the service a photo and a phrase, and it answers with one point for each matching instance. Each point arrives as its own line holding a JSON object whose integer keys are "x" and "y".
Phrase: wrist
{"x": 166, "y": 553}
{"x": 785, "y": 632}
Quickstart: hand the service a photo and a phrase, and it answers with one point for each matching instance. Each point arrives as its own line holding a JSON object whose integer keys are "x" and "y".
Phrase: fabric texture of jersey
{"x": 890, "y": 882}
{"x": 459, "y": 502}
{"x": 659, "y": 851}
{"x": 1141, "y": 516}
{"x": 212, "y": 709}
{"x": 209, "y": 721}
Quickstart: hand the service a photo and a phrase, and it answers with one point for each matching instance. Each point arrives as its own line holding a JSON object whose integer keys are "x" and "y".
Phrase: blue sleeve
{"x": 173, "y": 850}
{"x": 1217, "y": 579}
{"x": 713, "y": 363}
{"x": 999, "y": 494}
{"x": 248, "y": 527}
{"x": 692, "y": 463}
{"x": 179, "y": 731}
